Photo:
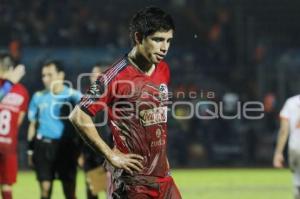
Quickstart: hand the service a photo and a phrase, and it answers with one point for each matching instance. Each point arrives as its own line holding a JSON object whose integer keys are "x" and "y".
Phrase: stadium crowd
{"x": 206, "y": 39}
{"x": 218, "y": 64}
{"x": 210, "y": 64}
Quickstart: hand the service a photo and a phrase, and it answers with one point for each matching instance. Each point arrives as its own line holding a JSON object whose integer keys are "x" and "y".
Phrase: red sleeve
{"x": 98, "y": 96}
{"x": 25, "y": 94}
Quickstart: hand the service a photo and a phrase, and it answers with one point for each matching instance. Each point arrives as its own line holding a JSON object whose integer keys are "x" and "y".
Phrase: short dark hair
{"x": 57, "y": 63}
{"x": 100, "y": 64}
{"x": 6, "y": 60}
{"x": 150, "y": 20}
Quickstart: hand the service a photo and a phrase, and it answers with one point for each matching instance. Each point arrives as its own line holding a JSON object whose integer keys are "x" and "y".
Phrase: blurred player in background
{"x": 10, "y": 75}
{"x": 95, "y": 173}
{"x": 13, "y": 105}
{"x": 290, "y": 127}
{"x": 51, "y": 148}
{"x": 135, "y": 93}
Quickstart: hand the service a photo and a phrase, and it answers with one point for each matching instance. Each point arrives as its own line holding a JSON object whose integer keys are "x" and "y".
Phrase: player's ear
{"x": 62, "y": 74}
{"x": 138, "y": 38}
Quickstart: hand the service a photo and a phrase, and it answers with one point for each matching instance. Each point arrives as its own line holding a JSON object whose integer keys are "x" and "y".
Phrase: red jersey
{"x": 137, "y": 111}
{"x": 11, "y": 105}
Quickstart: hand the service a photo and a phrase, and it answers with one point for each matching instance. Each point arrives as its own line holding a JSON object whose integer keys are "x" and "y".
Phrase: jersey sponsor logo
{"x": 160, "y": 140}
{"x": 158, "y": 133}
{"x": 96, "y": 90}
{"x": 13, "y": 99}
{"x": 154, "y": 116}
{"x": 163, "y": 92}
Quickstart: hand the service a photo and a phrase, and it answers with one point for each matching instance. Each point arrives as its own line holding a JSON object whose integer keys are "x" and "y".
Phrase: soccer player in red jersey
{"x": 10, "y": 76}
{"x": 12, "y": 112}
{"x": 134, "y": 93}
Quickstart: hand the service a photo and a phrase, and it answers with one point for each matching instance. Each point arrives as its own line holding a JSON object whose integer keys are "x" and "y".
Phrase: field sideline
{"x": 194, "y": 184}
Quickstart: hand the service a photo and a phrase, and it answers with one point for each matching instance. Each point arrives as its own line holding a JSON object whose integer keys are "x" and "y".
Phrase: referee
{"x": 53, "y": 150}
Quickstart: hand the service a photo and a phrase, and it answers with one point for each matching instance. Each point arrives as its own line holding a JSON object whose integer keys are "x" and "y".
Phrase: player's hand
{"x": 80, "y": 161}
{"x": 278, "y": 160}
{"x": 30, "y": 160}
{"x": 128, "y": 162}
{"x": 15, "y": 74}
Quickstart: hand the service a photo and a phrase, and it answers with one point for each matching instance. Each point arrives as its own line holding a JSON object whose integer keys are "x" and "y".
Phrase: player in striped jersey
{"x": 134, "y": 94}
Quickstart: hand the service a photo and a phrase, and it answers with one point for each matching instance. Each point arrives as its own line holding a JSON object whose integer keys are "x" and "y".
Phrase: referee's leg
{"x": 44, "y": 159}
{"x": 66, "y": 164}
{"x": 46, "y": 189}
{"x": 69, "y": 188}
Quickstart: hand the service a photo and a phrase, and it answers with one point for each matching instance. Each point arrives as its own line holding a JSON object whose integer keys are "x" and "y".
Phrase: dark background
{"x": 240, "y": 50}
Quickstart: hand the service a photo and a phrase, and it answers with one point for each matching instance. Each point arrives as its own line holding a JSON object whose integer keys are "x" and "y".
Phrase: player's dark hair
{"x": 57, "y": 63}
{"x": 6, "y": 60}
{"x": 98, "y": 63}
{"x": 150, "y": 20}
{"x": 101, "y": 64}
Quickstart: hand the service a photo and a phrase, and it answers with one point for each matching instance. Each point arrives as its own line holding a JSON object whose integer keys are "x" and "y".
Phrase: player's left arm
{"x": 278, "y": 158}
{"x": 21, "y": 117}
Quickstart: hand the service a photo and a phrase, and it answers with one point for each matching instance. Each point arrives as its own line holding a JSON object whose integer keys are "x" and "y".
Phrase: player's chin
{"x": 47, "y": 87}
{"x": 156, "y": 60}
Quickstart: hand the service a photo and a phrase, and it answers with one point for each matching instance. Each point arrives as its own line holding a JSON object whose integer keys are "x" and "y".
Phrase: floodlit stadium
{"x": 203, "y": 87}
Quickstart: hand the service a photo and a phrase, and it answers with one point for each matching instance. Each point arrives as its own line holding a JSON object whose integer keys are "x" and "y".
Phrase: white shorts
{"x": 294, "y": 163}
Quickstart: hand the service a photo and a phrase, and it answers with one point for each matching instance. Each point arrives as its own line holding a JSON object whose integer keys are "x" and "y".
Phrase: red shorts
{"x": 8, "y": 168}
{"x": 162, "y": 188}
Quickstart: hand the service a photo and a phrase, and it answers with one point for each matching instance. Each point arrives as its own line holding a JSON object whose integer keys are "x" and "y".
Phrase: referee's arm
{"x": 30, "y": 140}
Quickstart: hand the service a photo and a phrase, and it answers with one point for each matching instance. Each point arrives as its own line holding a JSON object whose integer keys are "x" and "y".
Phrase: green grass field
{"x": 194, "y": 184}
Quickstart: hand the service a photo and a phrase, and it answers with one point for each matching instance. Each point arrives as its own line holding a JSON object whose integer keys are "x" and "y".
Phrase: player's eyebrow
{"x": 161, "y": 38}
{"x": 157, "y": 36}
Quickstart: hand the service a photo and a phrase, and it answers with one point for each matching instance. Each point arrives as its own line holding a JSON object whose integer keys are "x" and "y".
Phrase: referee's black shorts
{"x": 55, "y": 159}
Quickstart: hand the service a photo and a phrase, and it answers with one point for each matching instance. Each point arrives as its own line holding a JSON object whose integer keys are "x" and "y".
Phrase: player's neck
{"x": 140, "y": 62}
{"x": 57, "y": 88}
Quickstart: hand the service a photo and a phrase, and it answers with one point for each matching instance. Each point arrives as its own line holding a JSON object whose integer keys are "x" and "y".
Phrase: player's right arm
{"x": 84, "y": 124}
{"x": 278, "y": 158}
{"x": 30, "y": 139}
{"x": 31, "y": 131}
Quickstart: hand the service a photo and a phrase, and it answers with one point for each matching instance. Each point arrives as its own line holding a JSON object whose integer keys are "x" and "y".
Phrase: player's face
{"x": 155, "y": 47}
{"x": 51, "y": 75}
